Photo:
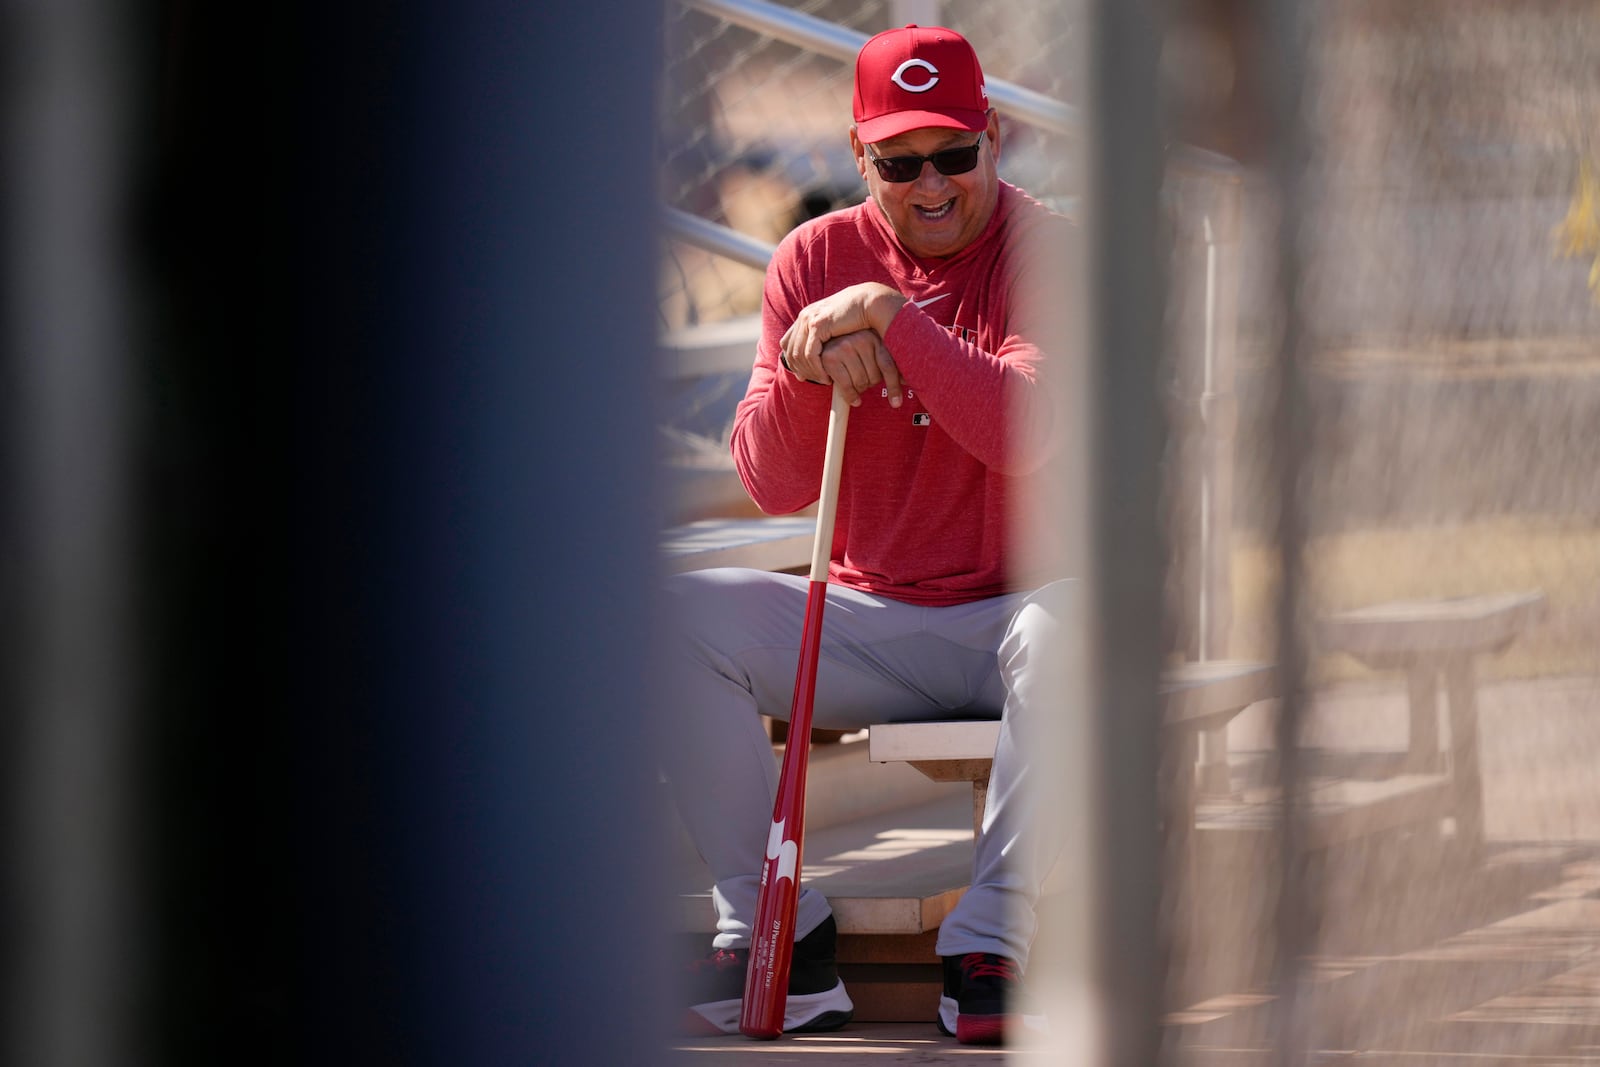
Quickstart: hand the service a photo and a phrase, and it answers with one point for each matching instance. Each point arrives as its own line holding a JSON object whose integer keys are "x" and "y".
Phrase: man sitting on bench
{"x": 916, "y": 302}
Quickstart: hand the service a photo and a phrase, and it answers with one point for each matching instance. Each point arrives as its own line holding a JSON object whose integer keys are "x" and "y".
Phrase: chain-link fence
{"x": 755, "y": 131}
{"x": 754, "y": 136}
{"x": 1446, "y": 238}
{"x": 1448, "y": 538}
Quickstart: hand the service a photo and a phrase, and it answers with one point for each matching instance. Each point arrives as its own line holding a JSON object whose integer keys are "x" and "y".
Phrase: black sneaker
{"x": 978, "y": 990}
{"x": 817, "y": 1000}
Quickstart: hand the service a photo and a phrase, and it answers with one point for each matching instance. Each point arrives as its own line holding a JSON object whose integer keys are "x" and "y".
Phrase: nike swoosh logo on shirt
{"x": 930, "y": 300}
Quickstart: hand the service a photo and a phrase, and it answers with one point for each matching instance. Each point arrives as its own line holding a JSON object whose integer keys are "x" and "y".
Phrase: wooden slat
{"x": 1339, "y": 810}
{"x": 898, "y": 873}
{"x": 1194, "y": 695}
{"x": 958, "y": 740}
{"x": 1208, "y": 694}
{"x": 774, "y": 544}
{"x": 1409, "y": 627}
{"x": 726, "y": 347}
{"x": 894, "y": 994}
{"x": 889, "y": 948}
{"x": 892, "y": 903}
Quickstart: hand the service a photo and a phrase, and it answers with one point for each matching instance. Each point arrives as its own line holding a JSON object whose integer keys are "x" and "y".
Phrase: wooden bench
{"x": 1354, "y": 801}
{"x": 1196, "y": 697}
{"x": 1428, "y": 639}
{"x": 890, "y": 895}
{"x": 892, "y": 881}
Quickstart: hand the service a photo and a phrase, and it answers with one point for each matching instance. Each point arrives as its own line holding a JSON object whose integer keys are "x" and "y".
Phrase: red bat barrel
{"x": 766, "y": 985}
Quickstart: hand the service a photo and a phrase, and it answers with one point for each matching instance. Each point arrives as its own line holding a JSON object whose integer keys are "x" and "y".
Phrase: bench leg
{"x": 1179, "y": 804}
{"x": 1422, "y": 749}
{"x": 1214, "y": 780}
{"x": 980, "y": 797}
{"x": 1461, "y": 690}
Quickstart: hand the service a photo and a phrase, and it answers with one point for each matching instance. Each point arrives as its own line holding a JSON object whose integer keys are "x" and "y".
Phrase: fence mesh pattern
{"x": 755, "y": 131}
{"x": 1447, "y": 233}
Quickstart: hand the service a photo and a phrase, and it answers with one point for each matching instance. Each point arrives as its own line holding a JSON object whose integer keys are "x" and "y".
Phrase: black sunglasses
{"x": 945, "y": 161}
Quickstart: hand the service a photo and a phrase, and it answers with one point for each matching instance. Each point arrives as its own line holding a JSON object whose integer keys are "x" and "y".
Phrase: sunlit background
{"x": 356, "y": 357}
{"x": 1381, "y": 262}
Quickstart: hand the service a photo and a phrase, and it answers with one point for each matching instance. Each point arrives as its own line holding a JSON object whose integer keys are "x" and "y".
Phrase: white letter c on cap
{"x": 899, "y": 76}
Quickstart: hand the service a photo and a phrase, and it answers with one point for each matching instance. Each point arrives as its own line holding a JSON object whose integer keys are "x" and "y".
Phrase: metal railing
{"x": 825, "y": 38}
{"x": 715, "y": 238}
{"x": 1203, "y": 199}
{"x": 837, "y": 42}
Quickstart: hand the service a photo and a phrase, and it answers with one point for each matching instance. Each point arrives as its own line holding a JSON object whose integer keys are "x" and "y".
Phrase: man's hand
{"x": 853, "y": 364}
{"x": 866, "y": 306}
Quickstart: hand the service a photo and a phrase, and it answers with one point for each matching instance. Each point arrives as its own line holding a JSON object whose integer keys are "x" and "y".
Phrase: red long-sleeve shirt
{"x": 927, "y": 488}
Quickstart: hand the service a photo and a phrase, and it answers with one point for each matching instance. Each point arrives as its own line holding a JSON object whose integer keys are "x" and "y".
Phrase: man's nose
{"x": 929, "y": 177}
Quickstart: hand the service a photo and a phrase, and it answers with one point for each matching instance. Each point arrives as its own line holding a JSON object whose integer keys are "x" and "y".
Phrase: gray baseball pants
{"x": 735, "y": 637}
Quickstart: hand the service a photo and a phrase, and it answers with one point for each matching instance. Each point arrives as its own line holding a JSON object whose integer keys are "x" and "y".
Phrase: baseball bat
{"x": 766, "y": 983}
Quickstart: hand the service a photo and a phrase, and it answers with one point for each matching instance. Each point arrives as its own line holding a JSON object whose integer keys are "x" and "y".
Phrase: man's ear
{"x": 859, "y": 150}
{"x": 992, "y": 134}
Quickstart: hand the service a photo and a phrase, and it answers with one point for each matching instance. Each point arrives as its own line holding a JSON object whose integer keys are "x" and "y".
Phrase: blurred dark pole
{"x": 474, "y": 529}
{"x": 1286, "y": 26}
{"x": 71, "y": 950}
{"x": 335, "y": 360}
{"x": 1127, "y": 293}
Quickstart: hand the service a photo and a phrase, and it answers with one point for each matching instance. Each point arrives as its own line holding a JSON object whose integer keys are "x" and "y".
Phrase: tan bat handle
{"x": 828, "y": 500}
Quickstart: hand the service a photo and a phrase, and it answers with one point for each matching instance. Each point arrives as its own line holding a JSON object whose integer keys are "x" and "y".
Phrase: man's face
{"x": 936, "y": 215}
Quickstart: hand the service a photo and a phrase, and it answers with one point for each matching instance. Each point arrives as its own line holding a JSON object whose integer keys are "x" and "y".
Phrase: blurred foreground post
{"x": 69, "y": 694}
{"x": 1288, "y": 27}
{"x": 1127, "y": 299}
{"x": 1103, "y": 969}
{"x": 329, "y": 604}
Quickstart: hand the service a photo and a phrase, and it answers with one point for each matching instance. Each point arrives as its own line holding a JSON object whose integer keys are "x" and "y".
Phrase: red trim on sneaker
{"x": 982, "y": 965}
{"x": 982, "y": 1029}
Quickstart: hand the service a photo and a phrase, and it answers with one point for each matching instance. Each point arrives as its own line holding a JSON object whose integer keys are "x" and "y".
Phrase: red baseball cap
{"x": 918, "y": 76}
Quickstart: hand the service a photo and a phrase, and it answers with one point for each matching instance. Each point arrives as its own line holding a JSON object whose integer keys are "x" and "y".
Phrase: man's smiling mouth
{"x": 938, "y": 211}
